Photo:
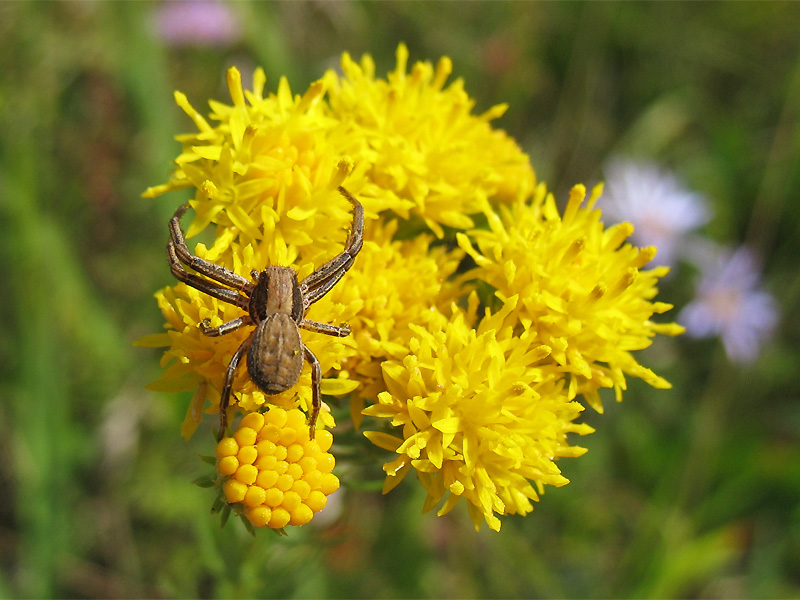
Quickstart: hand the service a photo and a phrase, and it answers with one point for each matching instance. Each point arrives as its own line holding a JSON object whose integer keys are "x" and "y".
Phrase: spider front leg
{"x": 320, "y": 282}
{"x": 179, "y": 253}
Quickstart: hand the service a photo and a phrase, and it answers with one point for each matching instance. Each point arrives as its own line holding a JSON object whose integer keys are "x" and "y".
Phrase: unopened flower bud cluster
{"x": 274, "y": 471}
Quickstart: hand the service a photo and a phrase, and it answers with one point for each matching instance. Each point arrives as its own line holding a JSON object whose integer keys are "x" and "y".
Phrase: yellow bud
{"x": 274, "y": 497}
{"x": 265, "y": 463}
{"x": 288, "y": 436}
{"x": 302, "y": 487}
{"x": 301, "y": 515}
{"x": 266, "y": 479}
{"x": 254, "y": 421}
{"x": 308, "y": 464}
{"x": 316, "y": 501}
{"x": 275, "y": 416}
{"x": 324, "y": 439}
{"x": 291, "y": 500}
{"x": 245, "y": 436}
{"x": 246, "y": 474}
{"x": 255, "y": 496}
{"x": 297, "y": 420}
{"x": 281, "y": 452}
{"x": 313, "y": 478}
{"x": 234, "y": 490}
{"x": 270, "y": 432}
{"x": 294, "y": 453}
{"x": 227, "y": 447}
{"x": 326, "y": 462}
{"x": 247, "y": 455}
{"x": 259, "y": 516}
{"x": 280, "y": 518}
{"x": 328, "y": 484}
{"x": 227, "y": 465}
{"x": 265, "y": 447}
{"x": 284, "y": 482}
{"x": 294, "y": 471}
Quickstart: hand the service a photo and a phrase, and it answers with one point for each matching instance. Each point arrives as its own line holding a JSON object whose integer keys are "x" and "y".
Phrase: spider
{"x": 276, "y": 303}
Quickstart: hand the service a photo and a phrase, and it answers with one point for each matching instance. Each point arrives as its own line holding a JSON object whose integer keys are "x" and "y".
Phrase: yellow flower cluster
{"x": 481, "y": 413}
{"x": 581, "y": 289}
{"x": 274, "y": 471}
{"x": 474, "y": 392}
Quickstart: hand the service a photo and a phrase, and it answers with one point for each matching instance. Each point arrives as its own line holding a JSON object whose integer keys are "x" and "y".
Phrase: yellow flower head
{"x": 273, "y": 472}
{"x": 481, "y": 414}
{"x": 580, "y": 287}
{"x": 420, "y": 147}
{"x": 478, "y": 407}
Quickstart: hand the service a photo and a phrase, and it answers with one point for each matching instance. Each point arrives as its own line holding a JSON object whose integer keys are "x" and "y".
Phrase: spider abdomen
{"x": 275, "y": 359}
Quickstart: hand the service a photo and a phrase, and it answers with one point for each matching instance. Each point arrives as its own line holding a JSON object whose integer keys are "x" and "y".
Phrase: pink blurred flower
{"x": 660, "y": 208}
{"x": 730, "y": 304}
{"x": 197, "y": 23}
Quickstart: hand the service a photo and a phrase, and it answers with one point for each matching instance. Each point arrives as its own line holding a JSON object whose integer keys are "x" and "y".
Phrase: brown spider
{"x": 276, "y": 303}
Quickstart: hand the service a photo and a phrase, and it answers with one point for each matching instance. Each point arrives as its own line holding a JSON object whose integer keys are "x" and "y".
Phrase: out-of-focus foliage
{"x": 684, "y": 492}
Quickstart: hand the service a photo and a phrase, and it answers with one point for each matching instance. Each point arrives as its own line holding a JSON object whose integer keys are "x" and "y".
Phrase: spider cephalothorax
{"x": 276, "y": 303}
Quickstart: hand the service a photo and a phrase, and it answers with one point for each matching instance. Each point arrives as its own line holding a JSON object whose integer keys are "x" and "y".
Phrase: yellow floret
{"x": 316, "y": 501}
{"x": 308, "y": 464}
{"x": 234, "y": 490}
{"x": 302, "y": 488}
{"x": 288, "y": 436}
{"x": 301, "y": 515}
{"x": 255, "y": 496}
{"x": 259, "y": 516}
{"x": 227, "y": 447}
{"x": 247, "y": 455}
{"x": 328, "y": 484}
{"x": 275, "y": 416}
{"x": 247, "y": 474}
{"x": 265, "y": 448}
{"x": 285, "y": 482}
{"x": 254, "y": 421}
{"x": 326, "y": 462}
{"x": 227, "y": 465}
{"x": 294, "y": 453}
{"x": 267, "y": 479}
{"x": 324, "y": 439}
{"x": 294, "y": 471}
{"x": 291, "y": 500}
{"x": 280, "y": 518}
{"x": 296, "y": 420}
{"x": 274, "y": 497}
{"x": 271, "y": 432}
{"x": 266, "y": 463}
{"x": 245, "y": 436}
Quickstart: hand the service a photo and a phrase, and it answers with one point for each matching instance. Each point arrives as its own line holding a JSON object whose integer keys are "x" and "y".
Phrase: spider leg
{"x": 336, "y": 331}
{"x": 316, "y": 398}
{"x": 320, "y": 282}
{"x": 225, "y": 396}
{"x": 204, "y": 285}
{"x": 225, "y": 327}
{"x": 202, "y": 266}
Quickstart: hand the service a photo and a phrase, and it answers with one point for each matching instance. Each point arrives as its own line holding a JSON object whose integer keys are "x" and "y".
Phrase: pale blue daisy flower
{"x": 730, "y": 304}
{"x": 198, "y": 23}
{"x": 660, "y": 208}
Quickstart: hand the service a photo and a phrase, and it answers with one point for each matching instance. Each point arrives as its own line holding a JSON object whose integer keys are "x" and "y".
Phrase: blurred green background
{"x": 690, "y": 492}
